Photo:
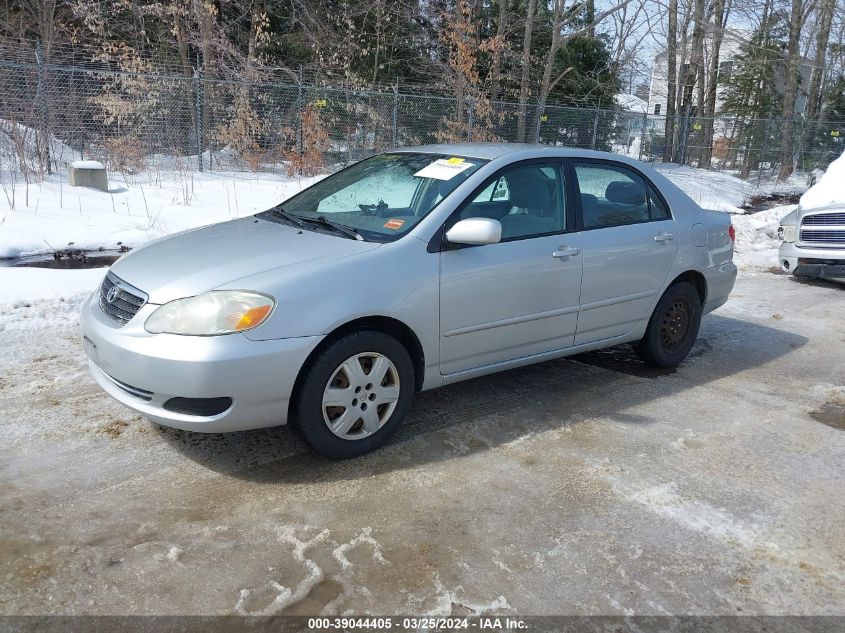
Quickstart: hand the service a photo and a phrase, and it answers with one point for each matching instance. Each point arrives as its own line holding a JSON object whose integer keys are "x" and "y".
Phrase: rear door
{"x": 629, "y": 243}
{"x": 519, "y": 297}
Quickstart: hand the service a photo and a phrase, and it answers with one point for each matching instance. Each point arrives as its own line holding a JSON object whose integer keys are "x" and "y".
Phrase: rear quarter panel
{"x": 704, "y": 242}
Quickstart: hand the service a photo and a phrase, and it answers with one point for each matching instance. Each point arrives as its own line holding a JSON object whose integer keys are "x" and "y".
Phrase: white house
{"x": 728, "y": 51}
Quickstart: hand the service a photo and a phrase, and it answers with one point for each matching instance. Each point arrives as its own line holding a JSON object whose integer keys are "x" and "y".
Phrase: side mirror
{"x": 475, "y": 231}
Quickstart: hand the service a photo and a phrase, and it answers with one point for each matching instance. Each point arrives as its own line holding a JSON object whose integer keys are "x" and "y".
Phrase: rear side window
{"x": 612, "y": 195}
{"x": 657, "y": 209}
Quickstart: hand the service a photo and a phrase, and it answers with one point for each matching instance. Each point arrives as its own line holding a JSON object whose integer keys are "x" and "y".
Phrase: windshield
{"x": 382, "y": 197}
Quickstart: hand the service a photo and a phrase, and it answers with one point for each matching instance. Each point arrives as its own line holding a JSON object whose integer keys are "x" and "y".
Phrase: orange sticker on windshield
{"x": 394, "y": 224}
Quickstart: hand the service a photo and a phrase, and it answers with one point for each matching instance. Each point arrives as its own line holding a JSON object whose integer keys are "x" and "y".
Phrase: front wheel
{"x": 355, "y": 394}
{"x": 673, "y": 327}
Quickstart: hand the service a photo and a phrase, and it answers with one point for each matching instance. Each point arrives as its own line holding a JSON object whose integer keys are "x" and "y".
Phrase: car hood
{"x": 199, "y": 260}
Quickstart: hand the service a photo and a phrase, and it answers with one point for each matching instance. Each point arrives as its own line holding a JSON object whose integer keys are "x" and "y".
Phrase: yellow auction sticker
{"x": 455, "y": 160}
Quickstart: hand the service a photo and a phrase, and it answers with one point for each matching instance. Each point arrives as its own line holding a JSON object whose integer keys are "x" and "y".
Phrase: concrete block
{"x": 88, "y": 173}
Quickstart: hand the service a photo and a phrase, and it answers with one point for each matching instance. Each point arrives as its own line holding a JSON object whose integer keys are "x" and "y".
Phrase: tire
{"x": 673, "y": 327}
{"x": 366, "y": 413}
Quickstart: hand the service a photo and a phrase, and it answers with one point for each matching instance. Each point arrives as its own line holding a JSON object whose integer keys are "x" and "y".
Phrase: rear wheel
{"x": 673, "y": 327}
{"x": 355, "y": 394}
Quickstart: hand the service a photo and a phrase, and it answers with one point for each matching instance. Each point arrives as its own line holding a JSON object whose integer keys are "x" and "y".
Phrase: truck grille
{"x": 823, "y": 237}
{"x": 832, "y": 219}
{"x": 120, "y": 301}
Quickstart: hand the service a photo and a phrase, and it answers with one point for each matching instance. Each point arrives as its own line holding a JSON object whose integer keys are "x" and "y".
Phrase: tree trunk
{"x": 681, "y": 77}
{"x": 671, "y": 78}
{"x": 695, "y": 54}
{"x": 695, "y": 61}
{"x": 814, "y": 94}
{"x": 721, "y": 9}
{"x": 496, "y": 64}
{"x": 548, "y": 67}
{"x": 526, "y": 71}
{"x": 590, "y": 17}
{"x": 790, "y": 93}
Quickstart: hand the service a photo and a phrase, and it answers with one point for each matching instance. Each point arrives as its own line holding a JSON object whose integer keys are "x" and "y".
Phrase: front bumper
{"x": 801, "y": 261}
{"x": 143, "y": 371}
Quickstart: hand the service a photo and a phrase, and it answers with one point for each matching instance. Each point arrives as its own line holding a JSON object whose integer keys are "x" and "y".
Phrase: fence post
{"x": 299, "y": 108}
{"x": 595, "y": 128}
{"x": 642, "y": 133}
{"x": 470, "y": 114}
{"x": 44, "y": 141}
{"x": 684, "y": 132}
{"x": 393, "y": 134}
{"x": 198, "y": 114}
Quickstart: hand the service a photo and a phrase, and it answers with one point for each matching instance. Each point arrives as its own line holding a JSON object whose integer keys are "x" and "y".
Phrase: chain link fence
{"x": 52, "y": 114}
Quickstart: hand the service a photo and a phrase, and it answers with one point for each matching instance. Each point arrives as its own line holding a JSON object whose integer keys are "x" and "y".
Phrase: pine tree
{"x": 752, "y": 94}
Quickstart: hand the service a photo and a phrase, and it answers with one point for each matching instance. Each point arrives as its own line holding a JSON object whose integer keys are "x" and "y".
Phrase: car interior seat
{"x": 626, "y": 203}
{"x": 535, "y": 195}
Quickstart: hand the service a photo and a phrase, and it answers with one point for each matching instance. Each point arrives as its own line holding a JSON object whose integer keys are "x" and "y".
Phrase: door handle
{"x": 565, "y": 251}
{"x": 664, "y": 237}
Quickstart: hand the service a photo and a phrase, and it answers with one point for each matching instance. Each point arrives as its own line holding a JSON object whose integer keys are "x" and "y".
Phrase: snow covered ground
{"x": 52, "y": 216}
{"x": 723, "y": 191}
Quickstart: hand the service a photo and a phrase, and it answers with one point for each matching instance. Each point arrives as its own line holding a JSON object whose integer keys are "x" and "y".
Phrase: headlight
{"x": 212, "y": 313}
{"x": 787, "y": 233}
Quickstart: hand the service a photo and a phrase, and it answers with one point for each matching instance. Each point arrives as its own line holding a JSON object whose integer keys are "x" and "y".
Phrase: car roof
{"x": 490, "y": 151}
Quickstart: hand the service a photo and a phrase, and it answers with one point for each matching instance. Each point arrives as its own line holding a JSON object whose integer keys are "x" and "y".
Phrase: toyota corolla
{"x": 404, "y": 272}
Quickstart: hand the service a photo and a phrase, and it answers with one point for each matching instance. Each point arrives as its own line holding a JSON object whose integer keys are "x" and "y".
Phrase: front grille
{"x": 125, "y": 300}
{"x": 820, "y": 219}
{"x": 823, "y": 237}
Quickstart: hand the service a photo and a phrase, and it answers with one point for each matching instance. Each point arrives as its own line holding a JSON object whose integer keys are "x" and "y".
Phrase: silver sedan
{"x": 407, "y": 271}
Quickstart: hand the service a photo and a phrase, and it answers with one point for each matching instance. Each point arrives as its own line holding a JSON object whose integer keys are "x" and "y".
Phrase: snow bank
{"x": 829, "y": 190}
{"x": 19, "y": 143}
{"x": 51, "y": 215}
{"x": 34, "y": 298}
{"x": 715, "y": 190}
{"x": 756, "y": 238}
{"x": 23, "y": 284}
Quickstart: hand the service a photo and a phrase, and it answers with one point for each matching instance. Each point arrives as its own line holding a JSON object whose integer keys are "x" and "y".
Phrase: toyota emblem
{"x": 111, "y": 295}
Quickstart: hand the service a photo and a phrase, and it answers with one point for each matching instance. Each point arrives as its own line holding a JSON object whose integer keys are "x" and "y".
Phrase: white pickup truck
{"x": 814, "y": 242}
{"x": 813, "y": 235}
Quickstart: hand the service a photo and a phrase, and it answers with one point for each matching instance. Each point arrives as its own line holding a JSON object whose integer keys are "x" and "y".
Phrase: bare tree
{"x": 498, "y": 48}
{"x": 814, "y": 93}
{"x": 671, "y": 76}
{"x": 526, "y": 71}
{"x": 721, "y": 11}
{"x": 790, "y": 91}
{"x": 560, "y": 18}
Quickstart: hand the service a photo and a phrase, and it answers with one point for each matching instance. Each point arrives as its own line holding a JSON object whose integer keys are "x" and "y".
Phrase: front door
{"x": 520, "y": 297}
{"x": 629, "y": 242}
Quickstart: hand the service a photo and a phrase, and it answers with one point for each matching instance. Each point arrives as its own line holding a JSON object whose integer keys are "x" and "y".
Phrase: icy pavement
{"x": 574, "y": 486}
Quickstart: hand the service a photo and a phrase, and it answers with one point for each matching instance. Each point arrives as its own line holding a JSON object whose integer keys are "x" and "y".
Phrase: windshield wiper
{"x": 321, "y": 220}
{"x": 288, "y": 217}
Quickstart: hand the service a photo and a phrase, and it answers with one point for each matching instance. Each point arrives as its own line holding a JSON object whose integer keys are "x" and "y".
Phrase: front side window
{"x": 382, "y": 197}
{"x": 611, "y": 195}
{"x": 527, "y": 200}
